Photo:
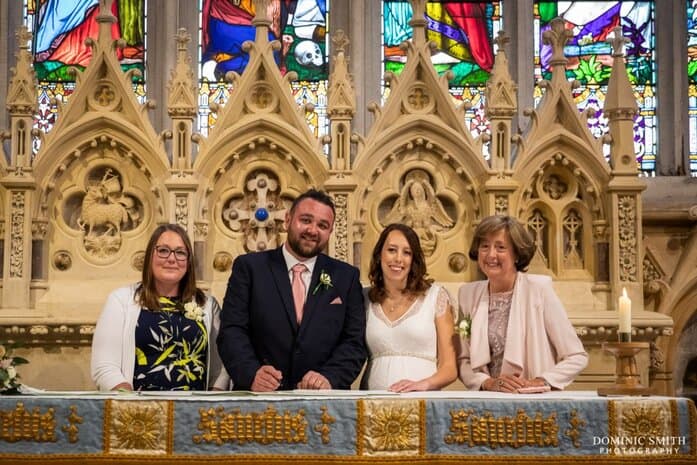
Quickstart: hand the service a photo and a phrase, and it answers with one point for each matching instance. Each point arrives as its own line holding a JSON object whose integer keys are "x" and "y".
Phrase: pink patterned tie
{"x": 298, "y": 290}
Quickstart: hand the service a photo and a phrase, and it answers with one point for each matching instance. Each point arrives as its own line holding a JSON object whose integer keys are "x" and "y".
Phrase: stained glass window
{"x": 59, "y": 29}
{"x": 692, "y": 81}
{"x": 590, "y": 61}
{"x": 300, "y": 26}
{"x": 463, "y": 32}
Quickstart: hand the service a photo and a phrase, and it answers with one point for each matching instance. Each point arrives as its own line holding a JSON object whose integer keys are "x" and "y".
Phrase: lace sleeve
{"x": 443, "y": 300}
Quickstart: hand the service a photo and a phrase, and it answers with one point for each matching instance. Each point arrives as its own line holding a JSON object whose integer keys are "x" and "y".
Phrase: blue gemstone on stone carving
{"x": 262, "y": 214}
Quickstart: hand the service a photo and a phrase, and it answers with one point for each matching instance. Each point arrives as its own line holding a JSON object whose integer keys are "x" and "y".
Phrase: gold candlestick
{"x": 627, "y": 381}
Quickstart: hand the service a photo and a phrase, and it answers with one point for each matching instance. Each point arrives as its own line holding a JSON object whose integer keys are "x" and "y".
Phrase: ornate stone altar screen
{"x": 76, "y": 215}
{"x": 345, "y": 427}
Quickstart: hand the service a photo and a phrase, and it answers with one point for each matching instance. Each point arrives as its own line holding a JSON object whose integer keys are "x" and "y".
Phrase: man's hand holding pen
{"x": 267, "y": 379}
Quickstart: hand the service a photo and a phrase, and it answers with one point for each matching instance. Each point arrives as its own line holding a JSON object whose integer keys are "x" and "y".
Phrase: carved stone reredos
{"x": 84, "y": 207}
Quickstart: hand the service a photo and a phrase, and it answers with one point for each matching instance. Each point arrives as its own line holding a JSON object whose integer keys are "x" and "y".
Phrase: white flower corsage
{"x": 193, "y": 311}
{"x": 464, "y": 327}
{"x": 325, "y": 281}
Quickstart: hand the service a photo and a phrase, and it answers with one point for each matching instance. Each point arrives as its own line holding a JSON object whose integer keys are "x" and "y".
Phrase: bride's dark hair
{"x": 417, "y": 282}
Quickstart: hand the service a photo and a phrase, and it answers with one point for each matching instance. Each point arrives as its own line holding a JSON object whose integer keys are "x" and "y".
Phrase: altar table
{"x": 345, "y": 427}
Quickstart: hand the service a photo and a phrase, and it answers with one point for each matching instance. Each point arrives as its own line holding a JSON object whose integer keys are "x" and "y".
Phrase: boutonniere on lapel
{"x": 464, "y": 327}
{"x": 325, "y": 282}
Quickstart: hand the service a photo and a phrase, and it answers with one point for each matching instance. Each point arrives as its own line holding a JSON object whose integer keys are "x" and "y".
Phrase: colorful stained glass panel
{"x": 300, "y": 26}
{"x": 589, "y": 61}
{"x": 692, "y": 82}
{"x": 463, "y": 32}
{"x": 59, "y": 29}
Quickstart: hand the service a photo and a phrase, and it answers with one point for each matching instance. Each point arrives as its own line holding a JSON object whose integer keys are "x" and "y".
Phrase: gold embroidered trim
{"x": 106, "y": 427}
{"x": 21, "y": 424}
{"x": 674, "y": 419}
{"x": 139, "y": 427}
{"x": 324, "y": 428}
{"x": 169, "y": 444}
{"x": 504, "y": 431}
{"x": 360, "y": 432}
{"x": 71, "y": 428}
{"x": 275, "y": 459}
{"x": 644, "y": 420}
{"x": 611, "y": 422}
{"x": 391, "y": 427}
{"x": 574, "y": 432}
{"x": 645, "y": 425}
{"x": 269, "y": 426}
{"x": 422, "y": 427}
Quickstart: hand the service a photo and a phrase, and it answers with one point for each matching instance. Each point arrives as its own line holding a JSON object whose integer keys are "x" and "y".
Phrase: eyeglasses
{"x": 164, "y": 252}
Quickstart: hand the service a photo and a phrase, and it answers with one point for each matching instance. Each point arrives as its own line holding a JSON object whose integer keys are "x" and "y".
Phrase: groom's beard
{"x": 304, "y": 245}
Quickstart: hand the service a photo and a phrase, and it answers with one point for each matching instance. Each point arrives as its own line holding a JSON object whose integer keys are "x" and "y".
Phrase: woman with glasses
{"x": 159, "y": 334}
{"x": 517, "y": 336}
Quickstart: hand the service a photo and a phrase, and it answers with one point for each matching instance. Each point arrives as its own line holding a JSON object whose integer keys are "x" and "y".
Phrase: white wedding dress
{"x": 407, "y": 347}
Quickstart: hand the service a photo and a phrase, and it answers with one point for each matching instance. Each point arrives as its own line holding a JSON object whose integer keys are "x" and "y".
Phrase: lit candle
{"x": 625, "y": 315}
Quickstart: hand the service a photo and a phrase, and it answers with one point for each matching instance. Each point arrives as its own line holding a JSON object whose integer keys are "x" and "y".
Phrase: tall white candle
{"x": 625, "y": 312}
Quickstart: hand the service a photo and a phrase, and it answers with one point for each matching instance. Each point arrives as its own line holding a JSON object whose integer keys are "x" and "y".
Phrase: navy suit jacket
{"x": 259, "y": 327}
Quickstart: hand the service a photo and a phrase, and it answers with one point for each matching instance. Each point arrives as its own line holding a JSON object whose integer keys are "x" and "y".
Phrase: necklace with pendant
{"x": 397, "y": 304}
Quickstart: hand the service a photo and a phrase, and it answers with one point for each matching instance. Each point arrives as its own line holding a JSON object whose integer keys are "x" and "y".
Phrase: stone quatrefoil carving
{"x": 102, "y": 211}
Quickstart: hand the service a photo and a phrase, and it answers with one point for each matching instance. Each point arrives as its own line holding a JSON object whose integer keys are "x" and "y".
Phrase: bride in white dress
{"x": 409, "y": 323}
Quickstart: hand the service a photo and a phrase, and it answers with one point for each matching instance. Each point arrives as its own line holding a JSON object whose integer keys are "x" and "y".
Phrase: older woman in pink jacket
{"x": 519, "y": 337}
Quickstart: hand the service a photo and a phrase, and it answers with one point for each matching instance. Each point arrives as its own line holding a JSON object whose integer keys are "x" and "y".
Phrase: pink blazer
{"x": 540, "y": 340}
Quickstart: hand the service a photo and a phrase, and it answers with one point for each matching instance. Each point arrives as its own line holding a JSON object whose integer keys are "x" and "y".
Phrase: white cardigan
{"x": 540, "y": 339}
{"x": 113, "y": 343}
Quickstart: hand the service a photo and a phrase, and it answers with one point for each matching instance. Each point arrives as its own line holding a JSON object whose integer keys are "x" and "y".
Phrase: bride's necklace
{"x": 398, "y": 304}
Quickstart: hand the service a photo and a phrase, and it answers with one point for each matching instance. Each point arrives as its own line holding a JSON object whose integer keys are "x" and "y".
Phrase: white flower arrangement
{"x": 9, "y": 379}
{"x": 464, "y": 327}
{"x": 193, "y": 311}
{"x": 325, "y": 281}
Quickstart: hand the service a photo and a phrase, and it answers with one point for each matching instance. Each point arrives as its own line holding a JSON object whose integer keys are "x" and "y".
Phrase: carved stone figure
{"x": 555, "y": 187}
{"x": 419, "y": 207}
{"x": 99, "y": 210}
{"x": 105, "y": 212}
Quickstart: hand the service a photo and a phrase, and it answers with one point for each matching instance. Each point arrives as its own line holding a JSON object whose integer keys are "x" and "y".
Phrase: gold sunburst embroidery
{"x": 392, "y": 427}
{"x": 643, "y": 422}
{"x": 138, "y": 427}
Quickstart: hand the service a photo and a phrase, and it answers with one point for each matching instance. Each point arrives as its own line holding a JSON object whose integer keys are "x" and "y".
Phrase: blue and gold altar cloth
{"x": 345, "y": 427}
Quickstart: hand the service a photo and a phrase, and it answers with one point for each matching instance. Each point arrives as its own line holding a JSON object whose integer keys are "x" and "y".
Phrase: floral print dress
{"x": 171, "y": 351}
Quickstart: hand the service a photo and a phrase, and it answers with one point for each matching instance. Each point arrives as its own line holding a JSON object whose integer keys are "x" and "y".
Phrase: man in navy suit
{"x": 293, "y": 318}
